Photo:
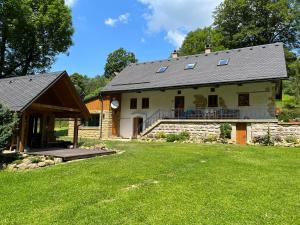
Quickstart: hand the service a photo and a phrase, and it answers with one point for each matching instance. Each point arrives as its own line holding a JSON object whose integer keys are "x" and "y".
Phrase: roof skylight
{"x": 190, "y": 66}
{"x": 223, "y": 62}
{"x": 162, "y": 69}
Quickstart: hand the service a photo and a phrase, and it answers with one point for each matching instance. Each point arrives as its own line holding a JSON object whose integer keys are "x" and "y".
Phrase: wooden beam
{"x": 53, "y": 107}
{"x": 75, "y": 135}
{"x": 23, "y": 136}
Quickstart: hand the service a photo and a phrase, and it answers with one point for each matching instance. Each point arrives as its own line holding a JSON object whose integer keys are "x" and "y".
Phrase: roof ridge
{"x": 32, "y": 76}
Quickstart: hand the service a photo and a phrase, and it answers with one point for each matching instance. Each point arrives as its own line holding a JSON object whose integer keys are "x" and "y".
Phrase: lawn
{"x": 160, "y": 184}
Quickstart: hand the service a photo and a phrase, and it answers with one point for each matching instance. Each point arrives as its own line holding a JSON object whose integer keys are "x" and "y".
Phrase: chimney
{"x": 174, "y": 54}
{"x": 207, "y": 49}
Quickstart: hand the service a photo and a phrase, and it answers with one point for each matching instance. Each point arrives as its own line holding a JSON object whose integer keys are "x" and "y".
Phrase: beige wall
{"x": 261, "y": 102}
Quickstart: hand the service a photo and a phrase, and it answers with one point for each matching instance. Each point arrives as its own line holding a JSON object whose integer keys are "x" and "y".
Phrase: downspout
{"x": 101, "y": 115}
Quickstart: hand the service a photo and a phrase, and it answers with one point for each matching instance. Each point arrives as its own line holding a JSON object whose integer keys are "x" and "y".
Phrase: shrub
{"x": 211, "y": 138}
{"x": 184, "y": 135}
{"x": 291, "y": 139}
{"x": 264, "y": 139}
{"x": 278, "y": 138}
{"x": 172, "y": 137}
{"x": 35, "y": 159}
{"x": 289, "y": 114}
{"x": 160, "y": 135}
{"x": 225, "y": 131}
{"x": 8, "y": 122}
{"x": 18, "y": 161}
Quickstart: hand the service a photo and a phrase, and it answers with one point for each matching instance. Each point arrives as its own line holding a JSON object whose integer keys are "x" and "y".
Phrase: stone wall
{"x": 202, "y": 129}
{"x": 84, "y": 132}
{"x": 280, "y": 129}
{"x": 197, "y": 130}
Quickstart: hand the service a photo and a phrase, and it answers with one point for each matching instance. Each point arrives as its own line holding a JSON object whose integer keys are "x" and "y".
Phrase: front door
{"x": 179, "y": 106}
{"x": 137, "y": 126}
{"x": 241, "y": 133}
{"x": 35, "y": 132}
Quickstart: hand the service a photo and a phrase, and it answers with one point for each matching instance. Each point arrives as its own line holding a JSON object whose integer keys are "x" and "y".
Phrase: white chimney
{"x": 207, "y": 49}
{"x": 174, "y": 54}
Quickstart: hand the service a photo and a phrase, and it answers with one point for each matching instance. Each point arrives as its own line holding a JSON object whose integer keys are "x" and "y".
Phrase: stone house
{"x": 196, "y": 93}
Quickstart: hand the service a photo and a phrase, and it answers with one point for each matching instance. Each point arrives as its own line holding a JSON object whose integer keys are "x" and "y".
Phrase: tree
{"x": 245, "y": 23}
{"x": 117, "y": 61}
{"x": 32, "y": 33}
{"x": 293, "y": 84}
{"x": 8, "y": 122}
{"x": 196, "y": 41}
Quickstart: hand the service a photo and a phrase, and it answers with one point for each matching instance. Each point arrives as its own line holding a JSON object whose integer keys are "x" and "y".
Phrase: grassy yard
{"x": 160, "y": 184}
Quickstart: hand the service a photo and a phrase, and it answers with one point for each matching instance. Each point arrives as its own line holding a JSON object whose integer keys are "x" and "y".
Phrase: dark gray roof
{"x": 18, "y": 92}
{"x": 265, "y": 62}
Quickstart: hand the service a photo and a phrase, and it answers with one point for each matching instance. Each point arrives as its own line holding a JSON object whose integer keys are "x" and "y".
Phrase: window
{"x": 93, "y": 121}
{"x": 212, "y": 101}
{"x": 212, "y": 90}
{"x": 162, "y": 69}
{"x": 145, "y": 103}
{"x": 223, "y": 62}
{"x": 244, "y": 100}
{"x": 133, "y": 103}
{"x": 190, "y": 66}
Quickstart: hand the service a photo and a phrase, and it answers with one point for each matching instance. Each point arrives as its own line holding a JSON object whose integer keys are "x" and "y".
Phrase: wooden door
{"x": 179, "y": 105}
{"x": 137, "y": 126}
{"x": 241, "y": 133}
{"x": 35, "y": 131}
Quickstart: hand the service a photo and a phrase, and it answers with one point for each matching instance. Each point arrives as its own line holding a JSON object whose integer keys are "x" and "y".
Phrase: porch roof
{"x": 259, "y": 63}
{"x": 20, "y": 93}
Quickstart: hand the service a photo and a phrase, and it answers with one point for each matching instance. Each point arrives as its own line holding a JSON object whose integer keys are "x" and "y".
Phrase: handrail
{"x": 208, "y": 113}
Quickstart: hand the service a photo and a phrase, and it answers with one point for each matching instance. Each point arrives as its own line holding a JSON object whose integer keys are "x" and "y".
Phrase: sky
{"x": 151, "y": 29}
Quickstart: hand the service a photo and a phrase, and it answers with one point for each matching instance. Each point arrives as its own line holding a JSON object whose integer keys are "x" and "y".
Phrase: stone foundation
{"x": 84, "y": 132}
{"x": 202, "y": 129}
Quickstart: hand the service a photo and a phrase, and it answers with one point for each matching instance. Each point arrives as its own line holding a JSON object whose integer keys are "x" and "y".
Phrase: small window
{"x": 145, "y": 103}
{"x": 93, "y": 121}
{"x": 212, "y": 90}
{"x": 223, "y": 62}
{"x": 212, "y": 101}
{"x": 190, "y": 66}
{"x": 133, "y": 103}
{"x": 244, "y": 100}
{"x": 162, "y": 69}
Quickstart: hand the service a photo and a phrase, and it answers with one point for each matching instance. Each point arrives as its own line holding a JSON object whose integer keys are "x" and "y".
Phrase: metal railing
{"x": 208, "y": 113}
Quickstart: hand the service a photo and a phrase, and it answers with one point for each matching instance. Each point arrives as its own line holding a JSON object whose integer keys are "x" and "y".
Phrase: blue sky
{"x": 151, "y": 29}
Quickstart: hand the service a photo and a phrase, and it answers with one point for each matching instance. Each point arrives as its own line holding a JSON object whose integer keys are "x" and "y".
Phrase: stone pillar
{"x": 107, "y": 124}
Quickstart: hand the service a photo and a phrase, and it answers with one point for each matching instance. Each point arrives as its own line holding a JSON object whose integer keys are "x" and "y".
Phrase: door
{"x": 137, "y": 126}
{"x": 241, "y": 133}
{"x": 179, "y": 106}
{"x": 35, "y": 132}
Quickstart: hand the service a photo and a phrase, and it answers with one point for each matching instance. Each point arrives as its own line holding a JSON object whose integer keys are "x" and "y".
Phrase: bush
{"x": 35, "y": 159}
{"x": 160, "y": 135}
{"x": 225, "y": 131}
{"x": 264, "y": 140}
{"x": 211, "y": 138}
{"x": 172, "y": 137}
{"x": 184, "y": 135}
{"x": 8, "y": 121}
{"x": 278, "y": 139}
{"x": 287, "y": 115}
{"x": 291, "y": 139}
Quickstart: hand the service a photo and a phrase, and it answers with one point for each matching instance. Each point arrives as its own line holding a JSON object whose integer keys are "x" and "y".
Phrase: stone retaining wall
{"x": 202, "y": 129}
{"x": 84, "y": 132}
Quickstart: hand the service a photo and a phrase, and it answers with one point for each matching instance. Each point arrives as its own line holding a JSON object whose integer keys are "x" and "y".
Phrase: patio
{"x": 70, "y": 154}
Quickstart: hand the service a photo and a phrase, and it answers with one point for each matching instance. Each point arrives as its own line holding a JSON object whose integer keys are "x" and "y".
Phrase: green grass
{"x": 154, "y": 183}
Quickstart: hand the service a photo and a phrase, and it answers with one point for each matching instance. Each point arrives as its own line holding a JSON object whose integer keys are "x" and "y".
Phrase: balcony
{"x": 209, "y": 114}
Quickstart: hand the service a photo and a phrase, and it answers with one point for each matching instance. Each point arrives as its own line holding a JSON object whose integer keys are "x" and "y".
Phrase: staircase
{"x": 153, "y": 120}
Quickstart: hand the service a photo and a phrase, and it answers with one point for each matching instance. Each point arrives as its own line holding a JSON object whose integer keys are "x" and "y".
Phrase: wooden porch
{"x": 70, "y": 154}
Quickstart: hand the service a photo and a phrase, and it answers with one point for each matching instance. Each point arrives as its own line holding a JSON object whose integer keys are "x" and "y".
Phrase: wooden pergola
{"x": 54, "y": 97}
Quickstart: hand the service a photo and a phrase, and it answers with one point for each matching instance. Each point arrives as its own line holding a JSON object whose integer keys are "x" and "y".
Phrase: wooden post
{"x": 23, "y": 136}
{"x": 75, "y": 135}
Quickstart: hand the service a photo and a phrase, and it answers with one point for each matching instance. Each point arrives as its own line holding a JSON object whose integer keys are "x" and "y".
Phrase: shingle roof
{"x": 264, "y": 62}
{"x": 17, "y": 92}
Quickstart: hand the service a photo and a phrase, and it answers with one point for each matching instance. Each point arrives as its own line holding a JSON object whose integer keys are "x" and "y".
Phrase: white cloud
{"x": 177, "y": 17}
{"x": 123, "y": 18}
{"x": 143, "y": 40}
{"x": 70, "y": 3}
{"x": 110, "y": 22}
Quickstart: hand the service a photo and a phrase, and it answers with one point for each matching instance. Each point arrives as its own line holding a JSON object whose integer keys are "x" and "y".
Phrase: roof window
{"x": 190, "y": 66}
{"x": 162, "y": 69}
{"x": 223, "y": 62}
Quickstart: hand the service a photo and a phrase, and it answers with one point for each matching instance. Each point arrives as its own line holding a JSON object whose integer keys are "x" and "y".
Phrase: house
{"x": 39, "y": 100}
{"x": 197, "y": 94}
